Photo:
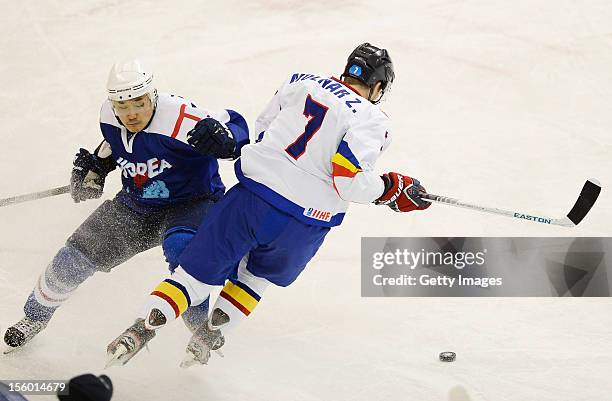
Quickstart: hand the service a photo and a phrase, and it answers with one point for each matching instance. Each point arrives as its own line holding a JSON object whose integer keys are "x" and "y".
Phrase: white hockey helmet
{"x": 130, "y": 79}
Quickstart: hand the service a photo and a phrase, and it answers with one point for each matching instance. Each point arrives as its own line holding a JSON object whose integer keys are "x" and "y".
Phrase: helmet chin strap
{"x": 379, "y": 98}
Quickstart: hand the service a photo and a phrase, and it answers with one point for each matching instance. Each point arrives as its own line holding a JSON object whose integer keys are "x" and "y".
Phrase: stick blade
{"x": 589, "y": 194}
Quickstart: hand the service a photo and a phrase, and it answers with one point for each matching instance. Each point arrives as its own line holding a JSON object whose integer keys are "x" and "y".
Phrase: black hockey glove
{"x": 210, "y": 138}
{"x": 88, "y": 387}
{"x": 88, "y": 175}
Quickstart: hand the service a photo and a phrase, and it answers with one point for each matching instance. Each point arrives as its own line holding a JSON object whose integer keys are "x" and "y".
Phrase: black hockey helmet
{"x": 370, "y": 64}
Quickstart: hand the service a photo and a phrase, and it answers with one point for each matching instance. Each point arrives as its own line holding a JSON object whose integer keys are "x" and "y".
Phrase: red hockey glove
{"x": 402, "y": 193}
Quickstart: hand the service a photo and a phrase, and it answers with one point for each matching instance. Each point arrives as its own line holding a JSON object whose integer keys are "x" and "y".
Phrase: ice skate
{"x": 22, "y": 332}
{"x": 206, "y": 339}
{"x": 128, "y": 344}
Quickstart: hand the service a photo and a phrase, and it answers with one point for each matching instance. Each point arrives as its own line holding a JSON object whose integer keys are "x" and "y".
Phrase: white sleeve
{"x": 268, "y": 115}
{"x": 353, "y": 164}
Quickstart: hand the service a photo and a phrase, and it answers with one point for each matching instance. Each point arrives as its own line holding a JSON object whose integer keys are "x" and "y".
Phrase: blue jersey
{"x": 158, "y": 166}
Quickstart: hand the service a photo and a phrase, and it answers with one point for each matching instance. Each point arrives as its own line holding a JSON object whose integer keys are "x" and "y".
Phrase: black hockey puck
{"x": 447, "y": 356}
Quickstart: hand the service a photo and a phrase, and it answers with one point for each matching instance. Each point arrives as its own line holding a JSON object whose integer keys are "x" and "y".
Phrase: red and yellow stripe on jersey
{"x": 241, "y": 296}
{"x": 174, "y": 294}
{"x": 344, "y": 164}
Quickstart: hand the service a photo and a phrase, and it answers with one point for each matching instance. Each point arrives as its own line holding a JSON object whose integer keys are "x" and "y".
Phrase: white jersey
{"x": 318, "y": 143}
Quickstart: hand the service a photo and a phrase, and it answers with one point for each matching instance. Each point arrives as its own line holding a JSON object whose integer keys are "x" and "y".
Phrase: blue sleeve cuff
{"x": 238, "y": 125}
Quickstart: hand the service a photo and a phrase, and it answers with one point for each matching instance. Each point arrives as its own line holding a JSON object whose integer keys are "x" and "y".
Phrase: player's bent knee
{"x": 70, "y": 265}
{"x": 68, "y": 269}
{"x": 175, "y": 242}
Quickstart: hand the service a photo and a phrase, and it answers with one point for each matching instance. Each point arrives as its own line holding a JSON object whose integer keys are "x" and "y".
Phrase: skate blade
{"x": 116, "y": 358}
{"x": 190, "y": 360}
{"x": 7, "y": 349}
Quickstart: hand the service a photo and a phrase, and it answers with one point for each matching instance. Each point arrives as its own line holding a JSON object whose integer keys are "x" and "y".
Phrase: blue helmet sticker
{"x": 355, "y": 70}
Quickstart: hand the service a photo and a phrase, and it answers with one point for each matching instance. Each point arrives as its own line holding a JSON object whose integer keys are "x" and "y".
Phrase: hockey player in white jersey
{"x": 318, "y": 141}
{"x": 167, "y": 151}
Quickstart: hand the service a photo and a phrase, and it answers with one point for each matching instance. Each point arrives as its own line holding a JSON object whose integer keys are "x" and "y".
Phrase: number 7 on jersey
{"x": 315, "y": 112}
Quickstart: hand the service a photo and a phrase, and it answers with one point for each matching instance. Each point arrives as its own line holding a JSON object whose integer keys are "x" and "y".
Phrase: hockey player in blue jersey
{"x": 318, "y": 142}
{"x": 166, "y": 150}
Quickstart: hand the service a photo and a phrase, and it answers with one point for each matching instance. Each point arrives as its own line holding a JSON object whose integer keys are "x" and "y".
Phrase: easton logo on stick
{"x": 533, "y": 218}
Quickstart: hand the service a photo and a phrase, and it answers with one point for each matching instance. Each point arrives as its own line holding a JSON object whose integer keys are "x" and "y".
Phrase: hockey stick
{"x": 35, "y": 195}
{"x": 584, "y": 203}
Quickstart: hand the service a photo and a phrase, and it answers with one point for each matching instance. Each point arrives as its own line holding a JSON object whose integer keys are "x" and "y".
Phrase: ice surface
{"x": 502, "y": 103}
